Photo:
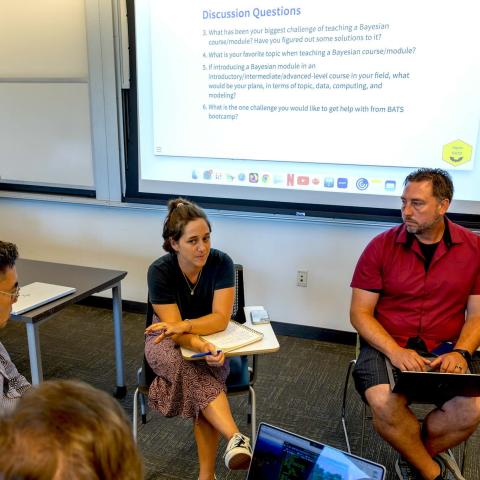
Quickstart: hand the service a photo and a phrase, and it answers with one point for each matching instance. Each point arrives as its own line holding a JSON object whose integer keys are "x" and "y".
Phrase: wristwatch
{"x": 464, "y": 353}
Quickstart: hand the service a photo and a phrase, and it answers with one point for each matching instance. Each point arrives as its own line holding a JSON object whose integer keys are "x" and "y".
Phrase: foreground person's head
{"x": 68, "y": 430}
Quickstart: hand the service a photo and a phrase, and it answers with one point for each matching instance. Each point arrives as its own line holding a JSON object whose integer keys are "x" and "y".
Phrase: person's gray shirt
{"x": 12, "y": 384}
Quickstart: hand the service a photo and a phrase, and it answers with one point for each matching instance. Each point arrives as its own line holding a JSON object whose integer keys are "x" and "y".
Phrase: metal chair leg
{"x": 143, "y": 403}
{"x": 344, "y": 402}
{"x": 135, "y": 414}
{"x": 143, "y": 408}
{"x": 253, "y": 412}
{"x": 364, "y": 417}
{"x": 464, "y": 456}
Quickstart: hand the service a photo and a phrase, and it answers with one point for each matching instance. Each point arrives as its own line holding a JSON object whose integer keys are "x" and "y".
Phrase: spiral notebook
{"x": 233, "y": 337}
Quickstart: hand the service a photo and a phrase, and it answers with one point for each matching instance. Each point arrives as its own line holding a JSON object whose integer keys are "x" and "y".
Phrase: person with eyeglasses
{"x": 12, "y": 384}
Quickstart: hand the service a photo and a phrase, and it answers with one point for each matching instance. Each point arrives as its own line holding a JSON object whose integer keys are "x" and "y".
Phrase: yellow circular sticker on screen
{"x": 457, "y": 153}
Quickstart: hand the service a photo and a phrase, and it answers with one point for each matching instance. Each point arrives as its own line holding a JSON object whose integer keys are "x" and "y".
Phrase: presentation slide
{"x": 335, "y": 97}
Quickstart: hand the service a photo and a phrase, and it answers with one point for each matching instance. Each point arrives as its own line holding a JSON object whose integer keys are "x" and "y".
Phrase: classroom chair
{"x": 366, "y": 415}
{"x": 240, "y": 380}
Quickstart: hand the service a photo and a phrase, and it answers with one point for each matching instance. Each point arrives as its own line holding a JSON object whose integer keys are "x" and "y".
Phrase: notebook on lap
{"x": 432, "y": 387}
{"x": 36, "y": 294}
{"x": 282, "y": 455}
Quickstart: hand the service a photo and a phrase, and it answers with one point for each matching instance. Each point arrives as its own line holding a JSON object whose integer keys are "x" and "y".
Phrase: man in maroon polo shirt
{"x": 415, "y": 287}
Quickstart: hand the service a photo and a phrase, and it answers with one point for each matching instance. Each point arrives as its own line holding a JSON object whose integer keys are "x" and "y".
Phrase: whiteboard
{"x": 45, "y": 134}
{"x": 45, "y": 119}
{"x": 43, "y": 38}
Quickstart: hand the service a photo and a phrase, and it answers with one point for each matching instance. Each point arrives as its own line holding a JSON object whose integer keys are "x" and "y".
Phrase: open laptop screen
{"x": 282, "y": 455}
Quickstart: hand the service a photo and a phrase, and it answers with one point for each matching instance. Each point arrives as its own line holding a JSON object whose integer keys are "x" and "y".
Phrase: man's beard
{"x": 419, "y": 229}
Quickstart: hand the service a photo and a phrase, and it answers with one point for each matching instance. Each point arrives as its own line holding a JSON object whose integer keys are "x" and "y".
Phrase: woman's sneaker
{"x": 238, "y": 453}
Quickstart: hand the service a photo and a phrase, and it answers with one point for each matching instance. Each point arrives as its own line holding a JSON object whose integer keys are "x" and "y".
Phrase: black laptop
{"x": 432, "y": 387}
{"x": 282, "y": 455}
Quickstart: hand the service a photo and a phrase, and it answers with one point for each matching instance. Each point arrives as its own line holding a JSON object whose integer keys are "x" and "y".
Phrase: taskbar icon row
{"x": 289, "y": 180}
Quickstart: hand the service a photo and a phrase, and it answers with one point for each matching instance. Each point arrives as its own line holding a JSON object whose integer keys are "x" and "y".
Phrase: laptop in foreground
{"x": 282, "y": 455}
{"x": 432, "y": 387}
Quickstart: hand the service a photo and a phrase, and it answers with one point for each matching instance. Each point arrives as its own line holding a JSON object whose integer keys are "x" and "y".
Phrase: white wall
{"x": 271, "y": 251}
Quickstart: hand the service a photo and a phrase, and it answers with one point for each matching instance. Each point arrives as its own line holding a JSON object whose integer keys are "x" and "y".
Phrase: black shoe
{"x": 405, "y": 470}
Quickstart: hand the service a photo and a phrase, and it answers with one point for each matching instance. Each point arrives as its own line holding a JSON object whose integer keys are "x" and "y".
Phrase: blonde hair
{"x": 68, "y": 430}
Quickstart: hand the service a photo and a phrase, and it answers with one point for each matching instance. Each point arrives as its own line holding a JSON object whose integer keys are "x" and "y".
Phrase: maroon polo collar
{"x": 451, "y": 235}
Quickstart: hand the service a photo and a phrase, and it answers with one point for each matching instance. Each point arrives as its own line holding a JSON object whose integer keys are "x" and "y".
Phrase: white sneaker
{"x": 238, "y": 453}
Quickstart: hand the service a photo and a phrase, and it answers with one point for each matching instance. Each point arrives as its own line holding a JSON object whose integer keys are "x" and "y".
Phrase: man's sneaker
{"x": 238, "y": 453}
{"x": 405, "y": 470}
{"x": 448, "y": 466}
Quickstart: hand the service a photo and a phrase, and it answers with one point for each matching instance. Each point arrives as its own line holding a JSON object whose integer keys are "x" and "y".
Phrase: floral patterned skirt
{"x": 181, "y": 387}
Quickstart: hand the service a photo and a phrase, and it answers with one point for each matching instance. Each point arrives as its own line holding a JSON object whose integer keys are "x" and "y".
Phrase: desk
{"x": 87, "y": 281}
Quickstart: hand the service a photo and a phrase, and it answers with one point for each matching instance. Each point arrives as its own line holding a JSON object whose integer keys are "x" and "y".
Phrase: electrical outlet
{"x": 302, "y": 278}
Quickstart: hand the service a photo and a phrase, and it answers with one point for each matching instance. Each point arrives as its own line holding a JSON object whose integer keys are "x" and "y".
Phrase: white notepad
{"x": 36, "y": 294}
{"x": 236, "y": 335}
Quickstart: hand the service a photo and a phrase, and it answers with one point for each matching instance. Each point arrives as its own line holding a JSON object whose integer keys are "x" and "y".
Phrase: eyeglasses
{"x": 14, "y": 295}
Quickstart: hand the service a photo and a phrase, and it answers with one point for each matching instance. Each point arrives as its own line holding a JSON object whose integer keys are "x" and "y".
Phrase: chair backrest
{"x": 238, "y": 315}
{"x": 149, "y": 317}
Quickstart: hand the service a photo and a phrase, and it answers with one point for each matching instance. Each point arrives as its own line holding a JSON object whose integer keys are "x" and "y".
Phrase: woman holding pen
{"x": 191, "y": 289}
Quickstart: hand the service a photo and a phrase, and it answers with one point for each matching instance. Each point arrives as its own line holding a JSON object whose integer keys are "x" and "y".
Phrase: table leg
{"x": 34, "y": 353}
{"x": 121, "y": 389}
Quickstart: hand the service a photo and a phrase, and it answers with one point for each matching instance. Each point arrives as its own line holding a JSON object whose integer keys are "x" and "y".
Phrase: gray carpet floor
{"x": 298, "y": 388}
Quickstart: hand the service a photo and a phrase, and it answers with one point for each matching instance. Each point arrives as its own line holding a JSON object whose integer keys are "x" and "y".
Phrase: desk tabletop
{"x": 87, "y": 280}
